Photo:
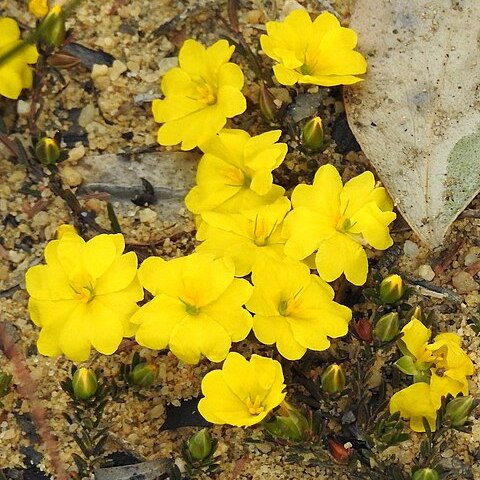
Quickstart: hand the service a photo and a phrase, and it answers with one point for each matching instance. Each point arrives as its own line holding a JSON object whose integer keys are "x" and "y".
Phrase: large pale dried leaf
{"x": 417, "y": 115}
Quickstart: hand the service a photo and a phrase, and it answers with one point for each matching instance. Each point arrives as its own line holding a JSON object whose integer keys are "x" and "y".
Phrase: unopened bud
{"x": 391, "y": 289}
{"x": 47, "y": 151}
{"x": 200, "y": 445}
{"x": 426, "y": 474}
{"x": 39, "y": 8}
{"x": 313, "y": 137}
{"x": 84, "y": 383}
{"x": 363, "y": 328}
{"x": 333, "y": 379}
{"x": 267, "y": 103}
{"x": 53, "y": 27}
{"x": 415, "y": 312}
{"x": 143, "y": 375}
{"x": 340, "y": 452}
{"x": 387, "y": 327}
{"x": 289, "y": 424}
{"x": 458, "y": 410}
{"x": 62, "y": 60}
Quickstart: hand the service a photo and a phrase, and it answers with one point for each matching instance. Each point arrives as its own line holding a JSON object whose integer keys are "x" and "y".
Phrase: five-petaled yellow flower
{"x": 200, "y": 95}
{"x": 245, "y": 237}
{"x": 336, "y": 221}
{"x": 235, "y": 173}
{"x": 294, "y": 309}
{"x": 243, "y": 392}
{"x": 84, "y": 296}
{"x": 15, "y": 73}
{"x": 443, "y": 367}
{"x": 319, "y": 52}
{"x": 196, "y": 309}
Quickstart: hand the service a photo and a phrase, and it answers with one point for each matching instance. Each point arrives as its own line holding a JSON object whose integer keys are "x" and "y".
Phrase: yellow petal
{"x": 157, "y": 319}
{"x": 45, "y": 282}
{"x": 119, "y": 275}
{"x": 199, "y": 335}
{"x": 74, "y": 339}
{"x": 230, "y": 74}
{"x": 415, "y": 336}
{"x": 151, "y": 274}
{"x": 220, "y": 405}
{"x": 10, "y": 31}
{"x": 11, "y": 83}
{"x": 99, "y": 254}
{"x": 191, "y": 57}
{"x": 340, "y": 254}
{"x": 231, "y": 102}
{"x": 106, "y": 329}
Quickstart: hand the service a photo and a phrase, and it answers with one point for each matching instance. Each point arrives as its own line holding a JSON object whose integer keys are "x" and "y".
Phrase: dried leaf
{"x": 416, "y": 116}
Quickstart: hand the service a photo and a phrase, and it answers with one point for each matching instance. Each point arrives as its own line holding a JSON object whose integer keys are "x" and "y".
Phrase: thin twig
{"x": 28, "y": 389}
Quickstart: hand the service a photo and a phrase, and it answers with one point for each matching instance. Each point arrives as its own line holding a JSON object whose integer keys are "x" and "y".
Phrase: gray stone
{"x": 172, "y": 175}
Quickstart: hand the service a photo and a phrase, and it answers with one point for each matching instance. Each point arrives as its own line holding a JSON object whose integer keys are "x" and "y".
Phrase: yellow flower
{"x": 294, "y": 309}
{"x": 336, "y": 221}
{"x": 243, "y": 392}
{"x": 415, "y": 402}
{"x": 319, "y": 52}
{"x": 196, "y": 309}
{"x": 15, "y": 74}
{"x": 236, "y": 172}
{"x": 39, "y": 8}
{"x": 84, "y": 295}
{"x": 443, "y": 367}
{"x": 245, "y": 237}
{"x": 200, "y": 95}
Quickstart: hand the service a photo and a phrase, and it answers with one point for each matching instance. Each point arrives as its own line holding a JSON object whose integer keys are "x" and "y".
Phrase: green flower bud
{"x": 267, "y": 103}
{"x": 415, "y": 312}
{"x": 426, "y": 474}
{"x": 47, "y": 151}
{"x": 143, "y": 375}
{"x": 458, "y": 410}
{"x": 200, "y": 446}
{"x": 333, "y": 379}
{"x": 391, "y": 289}
{"x": 53, "y": 27}
{"x": 313, "y": 137}
{"x": 84, "y": 383}
{"x": 387, "y": 327}
{"x": 288, "y": 424}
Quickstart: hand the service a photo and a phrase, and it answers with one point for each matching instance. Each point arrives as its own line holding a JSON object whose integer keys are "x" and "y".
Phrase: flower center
{"x": 85, "y": 295}
{"x": 292, "y": 305}
{"x": 206, "y": 93}
{"x": 236, "y": 177}
{"x": 262, "y": 231}
{"x": 190, "y": 308}
{"x": 343, "y": 224}
{"x": 255, "y": 407}
{"x": 306, "y": 69}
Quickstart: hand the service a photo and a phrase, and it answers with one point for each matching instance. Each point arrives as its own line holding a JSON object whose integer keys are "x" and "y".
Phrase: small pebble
{"x": 426, "y": 272}
{"x": 410, "y": 249}
{"x": 71, "y": 176}
{"x": 86, "y": 115}
{"x": 23, "y": 107}
{"x": 76, "y": 153}
{"x": 99, "y": 71}
{"x": 464, "y": 283}
{"x": 470, "y": 259}
{"x": 147, "y": 215}
{"x": 117, "y": 69}
{"x": 41, "y": 219}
